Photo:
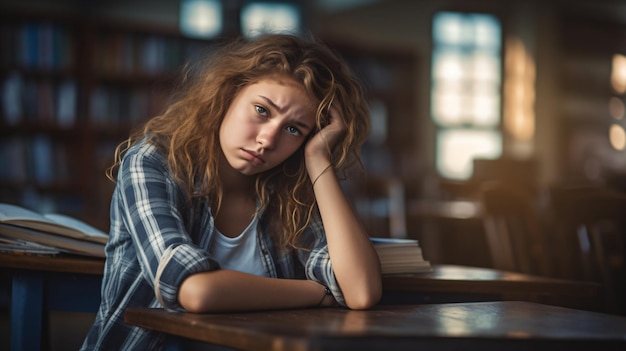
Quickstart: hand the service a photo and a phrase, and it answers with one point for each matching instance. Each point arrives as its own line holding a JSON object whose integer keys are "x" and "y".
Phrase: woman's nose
{"x": 268, "y": 136}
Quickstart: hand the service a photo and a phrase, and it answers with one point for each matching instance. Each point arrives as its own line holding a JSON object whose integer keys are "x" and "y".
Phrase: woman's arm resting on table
{"x": 355, "y": 262}
{"x": 227, "y": 290}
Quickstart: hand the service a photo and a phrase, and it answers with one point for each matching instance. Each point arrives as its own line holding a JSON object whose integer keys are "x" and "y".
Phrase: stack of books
{"x": 28, "y": 232}
{"x": 400, "y": 256}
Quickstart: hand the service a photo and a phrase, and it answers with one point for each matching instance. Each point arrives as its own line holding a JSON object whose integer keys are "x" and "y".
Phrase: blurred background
{"x": 462, "y": 92}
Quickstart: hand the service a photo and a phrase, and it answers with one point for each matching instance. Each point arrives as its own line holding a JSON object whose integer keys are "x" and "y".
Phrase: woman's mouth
{"x": 253, "y": 157}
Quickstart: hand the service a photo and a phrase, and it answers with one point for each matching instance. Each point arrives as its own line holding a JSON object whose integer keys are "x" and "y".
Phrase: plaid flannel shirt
{"x": 157, "y": 239}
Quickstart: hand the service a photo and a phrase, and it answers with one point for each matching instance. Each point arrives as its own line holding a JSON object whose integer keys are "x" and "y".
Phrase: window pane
{"x": 484, "y": 66}
{"x": 201, "y": 18}
{"x": 465, "y": 90}
{"x": 449, "y": 65}
{"x": 458, "y": 104}
{"x": 259, "y": 17}
{"x": 486, "y": 31}
{"x": 485, "y": 108}
{"x": 449, "y": 29}
{"x": 472, "y": 30}
{"x": 457, "y": 148}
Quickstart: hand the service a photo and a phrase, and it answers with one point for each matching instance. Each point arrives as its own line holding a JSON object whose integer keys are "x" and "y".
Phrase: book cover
{"x": 66, "y": 102}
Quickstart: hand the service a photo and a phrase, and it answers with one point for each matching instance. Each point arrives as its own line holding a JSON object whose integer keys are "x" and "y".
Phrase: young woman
{"x": 230, "y": 200}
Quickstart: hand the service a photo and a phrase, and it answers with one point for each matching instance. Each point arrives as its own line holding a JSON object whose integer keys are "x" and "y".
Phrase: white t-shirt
{"x": 240, "y": 253}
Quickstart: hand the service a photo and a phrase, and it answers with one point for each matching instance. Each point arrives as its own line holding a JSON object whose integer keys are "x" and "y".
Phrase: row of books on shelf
{"x": 127, "y": 53}
{"x": 54, "y": 103}
{"x": 41, "y": 45}
{"x": 124, "y": 106}
{"x": 39, "y": 101}
{"x": 49, "y": 46}
{"x": 28, "y": 232}
{"x": 37, "y": 159}
{"x": 45, "y": 161}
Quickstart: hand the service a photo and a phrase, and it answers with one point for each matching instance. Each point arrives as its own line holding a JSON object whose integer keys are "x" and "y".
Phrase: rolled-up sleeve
{"x": 154, "y": 220}
{"x": 318, "y": 266}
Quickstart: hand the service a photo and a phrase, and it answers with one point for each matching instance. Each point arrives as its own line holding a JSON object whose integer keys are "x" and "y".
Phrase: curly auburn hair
{"x": 188, "y": 130}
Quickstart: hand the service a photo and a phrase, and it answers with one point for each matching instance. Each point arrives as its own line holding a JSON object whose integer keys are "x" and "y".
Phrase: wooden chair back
{"x": 381, "y": 205}
{"x": 594, "y": 220}
{"x": 512, "y": 229}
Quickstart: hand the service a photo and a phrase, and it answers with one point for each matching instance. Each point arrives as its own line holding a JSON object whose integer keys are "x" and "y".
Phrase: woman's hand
{"x": 318, "y": 149}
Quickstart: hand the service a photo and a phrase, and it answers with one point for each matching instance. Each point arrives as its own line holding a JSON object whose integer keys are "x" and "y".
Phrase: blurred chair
{"x": 594, "y": 219}
{"x": 512, "y": 229}
{"x": 381, "y": 205}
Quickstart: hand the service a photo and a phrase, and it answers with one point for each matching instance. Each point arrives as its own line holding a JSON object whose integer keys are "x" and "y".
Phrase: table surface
{"x": 464, "y": 279}
{"x": 42, "y": 282}
{"x": 488, "y": 325}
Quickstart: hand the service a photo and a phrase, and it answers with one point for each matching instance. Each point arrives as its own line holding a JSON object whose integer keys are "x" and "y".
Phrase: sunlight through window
{"x": 457, "y": 149}
{"x": 465, "y": 91}
{"x": 269, "y": 17}
{"x": 201, "y": 18}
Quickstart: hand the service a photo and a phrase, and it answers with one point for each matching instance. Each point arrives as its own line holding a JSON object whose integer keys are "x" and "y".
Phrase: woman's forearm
{"x": 355, "y": 262}
{"x": 227, "y": 290}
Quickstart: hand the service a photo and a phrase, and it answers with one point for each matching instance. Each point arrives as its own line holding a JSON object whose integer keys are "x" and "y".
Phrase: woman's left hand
{"x": 320, "y": 146}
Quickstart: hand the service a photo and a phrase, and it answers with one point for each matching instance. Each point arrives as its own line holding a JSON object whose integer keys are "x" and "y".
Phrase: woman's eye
{"x": 260, "y": 110}
{"x": 294, "y": 131}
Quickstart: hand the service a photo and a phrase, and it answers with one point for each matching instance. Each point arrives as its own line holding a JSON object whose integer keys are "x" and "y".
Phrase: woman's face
{"x": 265, "y": 124}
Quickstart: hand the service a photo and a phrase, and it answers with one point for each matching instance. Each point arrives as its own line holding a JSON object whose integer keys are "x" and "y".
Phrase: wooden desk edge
{"x": 218, "y": 336}
{"x": 68, "y": 264}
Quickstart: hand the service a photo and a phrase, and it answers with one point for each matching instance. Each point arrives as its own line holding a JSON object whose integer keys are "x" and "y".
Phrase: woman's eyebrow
{"x": 282, "y": 109}
{"x": 272, "y": 103}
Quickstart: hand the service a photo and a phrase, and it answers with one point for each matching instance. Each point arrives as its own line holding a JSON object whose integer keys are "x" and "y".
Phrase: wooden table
{"x": 40, "y": 283}
{"x": 501, "y": 325}
{"x": 451, "y": 283}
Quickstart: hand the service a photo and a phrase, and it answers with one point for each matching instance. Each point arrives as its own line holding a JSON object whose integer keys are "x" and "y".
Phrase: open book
{"x": 400, "y": 256}
{"x": 55, "y": 230}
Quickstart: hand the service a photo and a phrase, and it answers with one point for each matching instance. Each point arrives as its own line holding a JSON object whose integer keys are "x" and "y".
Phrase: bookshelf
{"x": 388, "y": 75}
{"x": 71, "y": 90}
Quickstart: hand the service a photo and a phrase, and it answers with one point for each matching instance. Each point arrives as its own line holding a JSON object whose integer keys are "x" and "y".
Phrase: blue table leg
{"x": 26, "y": 311}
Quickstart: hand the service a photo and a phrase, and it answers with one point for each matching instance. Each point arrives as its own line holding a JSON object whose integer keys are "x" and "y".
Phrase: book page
{"x": 10, "y": 212}
{"x": 93, "y": 233}
{"x": 51, "y": 223}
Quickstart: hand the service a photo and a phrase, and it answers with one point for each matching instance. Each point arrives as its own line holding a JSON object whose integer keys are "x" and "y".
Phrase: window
{"x": 201, "y": 18}
{"x": 465, "y": 91}
{"x": 259, "y": 17}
